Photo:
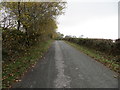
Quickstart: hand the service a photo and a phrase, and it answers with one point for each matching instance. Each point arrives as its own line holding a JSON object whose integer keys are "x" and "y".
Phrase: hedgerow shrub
{"x": 106, "y": 46}
{"x": 13, "y": 42}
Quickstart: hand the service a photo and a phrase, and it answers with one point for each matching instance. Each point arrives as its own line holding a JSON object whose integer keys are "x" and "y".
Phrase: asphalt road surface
{"x": 66, "y": 67}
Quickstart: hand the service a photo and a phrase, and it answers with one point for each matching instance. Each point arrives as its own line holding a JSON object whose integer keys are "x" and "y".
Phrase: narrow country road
{"x": 66, "y": 67}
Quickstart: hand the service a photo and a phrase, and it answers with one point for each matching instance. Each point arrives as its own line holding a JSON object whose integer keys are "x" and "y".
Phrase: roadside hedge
{"x": 106, "y": 46}
{"x": 15, "y": 42}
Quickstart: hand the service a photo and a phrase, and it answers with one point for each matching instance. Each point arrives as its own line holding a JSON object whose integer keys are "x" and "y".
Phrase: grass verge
{"x": 12, "y": 72}
{"x": 101, "y": 57}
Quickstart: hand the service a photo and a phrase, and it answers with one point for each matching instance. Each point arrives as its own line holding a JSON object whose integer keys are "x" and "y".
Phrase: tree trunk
{"x": 18, "y": 27}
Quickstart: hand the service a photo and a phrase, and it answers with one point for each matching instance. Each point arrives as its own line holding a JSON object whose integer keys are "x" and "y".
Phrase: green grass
{"x": 101, "y": 57}
{"x": 12, "y": 72}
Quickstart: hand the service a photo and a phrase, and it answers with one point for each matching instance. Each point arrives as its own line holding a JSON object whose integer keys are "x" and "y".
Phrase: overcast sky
{"x": 91, "y": 18}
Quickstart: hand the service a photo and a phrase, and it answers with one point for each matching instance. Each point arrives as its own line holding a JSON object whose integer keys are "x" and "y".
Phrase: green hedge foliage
{"x": 106, "y": 46}
{"x": 15, "y": 42}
